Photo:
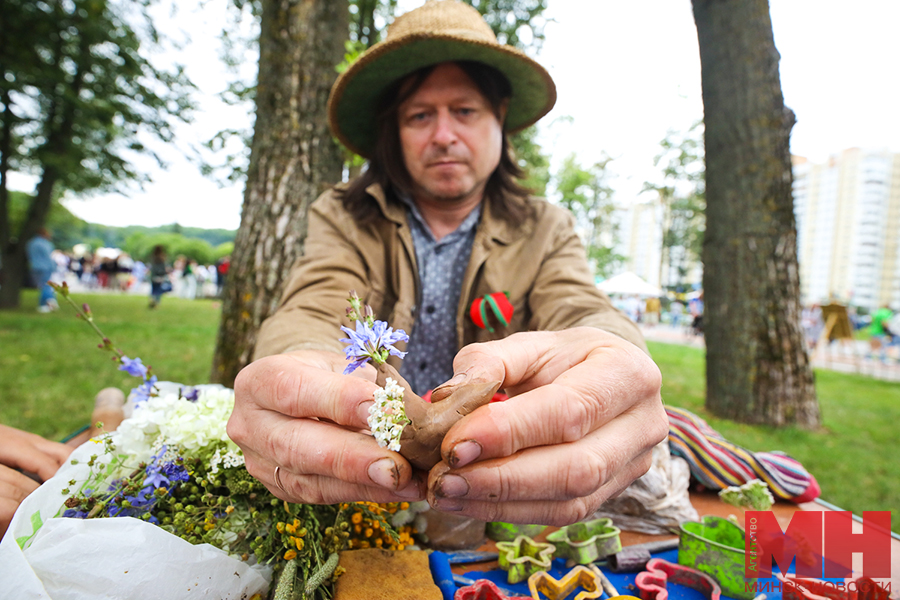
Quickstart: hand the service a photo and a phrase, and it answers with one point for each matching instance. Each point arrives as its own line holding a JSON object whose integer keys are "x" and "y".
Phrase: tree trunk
{"x": 293, "y": 159}
{"x": 758, "y": 370}
{"x": 15, "y": 261}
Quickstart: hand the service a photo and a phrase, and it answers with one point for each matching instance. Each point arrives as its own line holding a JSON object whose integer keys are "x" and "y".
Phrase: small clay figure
{"x": 421, "y": 440}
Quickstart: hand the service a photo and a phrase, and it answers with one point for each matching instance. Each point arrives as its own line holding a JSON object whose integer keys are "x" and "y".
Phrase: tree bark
{"x": 293, "y": 159}
{"x": 758, "y": 370}
{"x": 59, "y": 125}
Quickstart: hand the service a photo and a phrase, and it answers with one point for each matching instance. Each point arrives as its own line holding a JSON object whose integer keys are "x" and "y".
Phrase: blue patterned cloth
{"x": 442, "y": 264}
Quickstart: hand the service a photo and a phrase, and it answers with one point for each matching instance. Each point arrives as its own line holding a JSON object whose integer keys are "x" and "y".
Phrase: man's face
{"x": 450, "y": 136}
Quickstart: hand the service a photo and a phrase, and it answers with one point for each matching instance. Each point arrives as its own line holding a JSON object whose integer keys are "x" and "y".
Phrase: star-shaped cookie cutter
{"x": 553, "y": 589}
{"x": 586, "y": 542}
{"x": 523, "y": 556}
{"x": 652, "y": 583}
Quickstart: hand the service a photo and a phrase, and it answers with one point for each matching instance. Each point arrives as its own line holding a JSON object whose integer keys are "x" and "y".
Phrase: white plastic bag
{"x": 49, "y": 557}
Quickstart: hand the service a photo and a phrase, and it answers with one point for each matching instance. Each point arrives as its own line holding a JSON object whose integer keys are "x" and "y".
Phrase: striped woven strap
{"x": 717, "y": 463}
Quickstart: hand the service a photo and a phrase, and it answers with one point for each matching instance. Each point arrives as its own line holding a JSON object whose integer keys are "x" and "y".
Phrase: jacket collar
{"x": 494, "y": 228}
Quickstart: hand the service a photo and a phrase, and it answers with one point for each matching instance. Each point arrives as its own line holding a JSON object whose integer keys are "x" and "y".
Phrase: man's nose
{"x": 444, "y": 129}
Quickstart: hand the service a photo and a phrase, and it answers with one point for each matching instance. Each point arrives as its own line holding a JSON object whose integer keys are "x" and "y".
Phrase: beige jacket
{"x": 540, "y": 263}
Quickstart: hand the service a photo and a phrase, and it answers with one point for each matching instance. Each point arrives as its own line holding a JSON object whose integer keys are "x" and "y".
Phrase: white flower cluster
{"x": 227, "y": 459}
{"x": 168, "y": 419}
{"x": 387, "y": 416}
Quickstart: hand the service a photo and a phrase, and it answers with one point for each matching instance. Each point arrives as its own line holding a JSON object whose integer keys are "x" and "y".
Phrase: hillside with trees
{"x": 203, "y": 245}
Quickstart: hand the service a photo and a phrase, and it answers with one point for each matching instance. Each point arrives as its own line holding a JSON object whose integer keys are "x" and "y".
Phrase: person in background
{"x": 652, "y": 309}
{"x": 189, "y": 279}
{"x": 138, "y": 274}
{"x": 882, "y": 336}
{"x": 222, "y": 266}
{"x": 633, "y": 308}
{"x": 124, "y": 266}
{"x": 159, "y": 276}
{"x": 811, "y": 320}
{"x": 39, "y": 250}
{"x": 676, "y": 311}
{"x": 695, "y": 307}
{"x": 22, "y": 452}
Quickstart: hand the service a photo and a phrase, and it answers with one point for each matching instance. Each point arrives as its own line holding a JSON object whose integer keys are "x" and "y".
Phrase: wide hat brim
{"x": 355, "y": 96}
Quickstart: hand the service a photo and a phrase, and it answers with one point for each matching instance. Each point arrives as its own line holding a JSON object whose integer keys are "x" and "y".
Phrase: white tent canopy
{"x": 628, "y": 284}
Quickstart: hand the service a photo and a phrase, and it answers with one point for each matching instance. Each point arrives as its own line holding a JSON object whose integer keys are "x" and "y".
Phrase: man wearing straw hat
{"x": 436, "y": 229}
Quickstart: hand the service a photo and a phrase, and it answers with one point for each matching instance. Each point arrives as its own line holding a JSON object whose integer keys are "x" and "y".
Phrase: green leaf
{"x": 36, "y": 524}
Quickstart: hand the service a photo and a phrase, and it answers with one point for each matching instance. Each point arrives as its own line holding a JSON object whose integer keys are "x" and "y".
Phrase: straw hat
{"x": 439, "y": 31}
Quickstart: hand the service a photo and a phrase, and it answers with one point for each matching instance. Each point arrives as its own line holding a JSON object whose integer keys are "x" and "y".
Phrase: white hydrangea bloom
{"x": 387, "y": 416}
{"x": 190, "y": 426}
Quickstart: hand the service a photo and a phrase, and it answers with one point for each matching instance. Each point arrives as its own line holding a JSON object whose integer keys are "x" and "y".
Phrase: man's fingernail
{"x": 456, "y": 379}
{"x": 452, "y": 486}
{"x": 445, "y": 504}
{"x": 464, "y": 453}
{"x": 411, "y": 491}
{"x": 384, "y": 472}
{"x": 363, "y": 411}
{"x": 445, "y": 389}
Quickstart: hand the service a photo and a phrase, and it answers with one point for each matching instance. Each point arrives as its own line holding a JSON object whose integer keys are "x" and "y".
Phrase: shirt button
{"x": 423, "y": 366}
{"x": 430, "y": 309}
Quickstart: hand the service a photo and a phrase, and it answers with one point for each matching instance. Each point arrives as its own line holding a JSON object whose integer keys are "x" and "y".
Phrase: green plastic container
{"x": 715, "y": 546}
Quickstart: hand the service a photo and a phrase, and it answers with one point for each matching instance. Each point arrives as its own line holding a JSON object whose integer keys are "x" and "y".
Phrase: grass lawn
{"x": 51, "y": 369}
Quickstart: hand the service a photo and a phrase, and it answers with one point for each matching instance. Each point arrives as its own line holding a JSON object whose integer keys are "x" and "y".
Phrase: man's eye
{"x": 465, "y": 111}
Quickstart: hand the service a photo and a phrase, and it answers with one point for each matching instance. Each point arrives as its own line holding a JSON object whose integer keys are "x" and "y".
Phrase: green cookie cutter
{"x": 523, "y": 557}
{"x": 586, "y": 542}
{"x": 715, "y": 546}
{"x": 507, "y": 532}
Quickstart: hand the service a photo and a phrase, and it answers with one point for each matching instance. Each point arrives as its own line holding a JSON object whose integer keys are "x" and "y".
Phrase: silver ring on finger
{"x": 278, "y": 480}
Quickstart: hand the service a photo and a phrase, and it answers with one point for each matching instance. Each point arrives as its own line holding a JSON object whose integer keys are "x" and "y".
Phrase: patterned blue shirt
{"x": 442, "y": 264}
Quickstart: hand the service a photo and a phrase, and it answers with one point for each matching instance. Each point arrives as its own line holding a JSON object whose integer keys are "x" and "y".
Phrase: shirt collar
{"x": 466, "y": 226}
{"x": 494, "y": 228}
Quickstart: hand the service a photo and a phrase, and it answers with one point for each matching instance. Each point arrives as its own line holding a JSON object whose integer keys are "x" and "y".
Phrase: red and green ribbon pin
{"x": 499, "y": 305}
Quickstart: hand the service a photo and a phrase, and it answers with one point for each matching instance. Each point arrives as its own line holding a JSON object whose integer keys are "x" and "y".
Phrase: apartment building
{"x": 848, "y": 225}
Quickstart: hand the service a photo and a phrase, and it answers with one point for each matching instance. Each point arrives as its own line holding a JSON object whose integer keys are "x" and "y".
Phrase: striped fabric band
{"x": 717, "y": 463}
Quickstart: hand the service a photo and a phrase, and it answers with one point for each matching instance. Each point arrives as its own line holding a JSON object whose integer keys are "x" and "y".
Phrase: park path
{"x": 849, "y": 357}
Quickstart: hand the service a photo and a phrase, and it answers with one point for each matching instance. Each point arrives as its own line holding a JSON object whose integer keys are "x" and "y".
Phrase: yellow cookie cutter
{"x": 553, "y": 589}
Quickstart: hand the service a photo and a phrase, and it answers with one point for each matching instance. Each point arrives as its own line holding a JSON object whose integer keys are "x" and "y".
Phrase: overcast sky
{"x": 626, "y": 73}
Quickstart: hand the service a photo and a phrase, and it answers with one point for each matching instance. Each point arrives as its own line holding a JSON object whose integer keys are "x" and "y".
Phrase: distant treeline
{"x": 203, "y": 245}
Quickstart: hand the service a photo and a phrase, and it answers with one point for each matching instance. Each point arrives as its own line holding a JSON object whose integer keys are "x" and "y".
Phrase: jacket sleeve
{"x": 564, "y": 294}
{"x": 315, "y": 294}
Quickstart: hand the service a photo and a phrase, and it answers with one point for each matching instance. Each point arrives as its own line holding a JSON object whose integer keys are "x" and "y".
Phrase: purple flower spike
{"x": 134, "y": 367}
{"x": 371, "y": 343}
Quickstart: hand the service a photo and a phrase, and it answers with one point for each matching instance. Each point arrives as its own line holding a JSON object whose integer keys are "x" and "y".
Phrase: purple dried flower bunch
{"x": 134, "y": 495}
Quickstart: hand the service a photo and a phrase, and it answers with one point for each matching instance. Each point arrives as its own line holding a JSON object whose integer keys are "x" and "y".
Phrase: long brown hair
{"x": 387, "y": 168}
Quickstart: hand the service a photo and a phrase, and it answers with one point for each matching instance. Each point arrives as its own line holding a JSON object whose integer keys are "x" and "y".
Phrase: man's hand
{"x": 299, "y": 412}
{"x": 30, "y": 453}
{"x": 584, "y": 416}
